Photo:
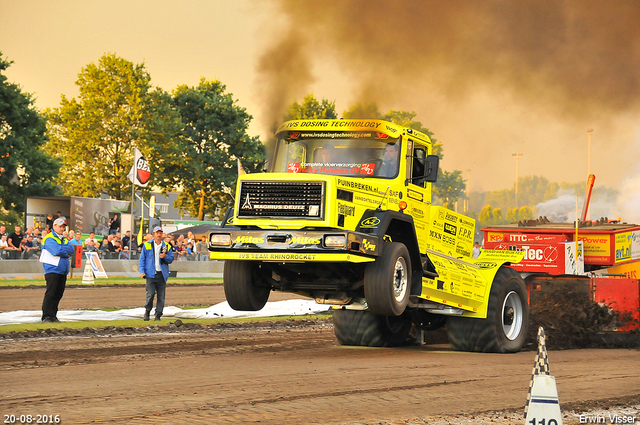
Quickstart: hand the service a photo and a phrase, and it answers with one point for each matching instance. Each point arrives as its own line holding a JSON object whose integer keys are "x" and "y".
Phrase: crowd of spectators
{"x": 187, "y": 248}
{"x": 28, "y": 245}
{"x": 19, "y": 244}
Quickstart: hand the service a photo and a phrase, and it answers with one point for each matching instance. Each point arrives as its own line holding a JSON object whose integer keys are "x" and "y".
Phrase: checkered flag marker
{"x": 543, "y": 406}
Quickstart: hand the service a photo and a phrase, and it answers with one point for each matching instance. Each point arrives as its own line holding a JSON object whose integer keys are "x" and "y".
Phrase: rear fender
{"x": 465, "y": 284}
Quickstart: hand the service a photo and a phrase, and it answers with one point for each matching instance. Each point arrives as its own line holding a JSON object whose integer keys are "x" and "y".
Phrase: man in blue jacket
{"x": 55, "y": 260}
{"x": 154, "y": 263}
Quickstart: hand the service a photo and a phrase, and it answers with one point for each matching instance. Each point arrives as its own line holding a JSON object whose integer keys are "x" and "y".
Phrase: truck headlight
{"x": 220, "y": 240}
{"x": 335, "y": 241}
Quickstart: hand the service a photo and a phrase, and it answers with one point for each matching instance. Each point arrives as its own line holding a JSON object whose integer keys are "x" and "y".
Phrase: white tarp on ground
{"x": 277, "y": 308}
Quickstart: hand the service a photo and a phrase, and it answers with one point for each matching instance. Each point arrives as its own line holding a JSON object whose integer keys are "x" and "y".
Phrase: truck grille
{"x": 281, "y": 199}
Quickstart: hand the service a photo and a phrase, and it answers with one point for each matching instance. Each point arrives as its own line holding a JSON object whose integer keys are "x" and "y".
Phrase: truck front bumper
{"x": 293, "y": 246}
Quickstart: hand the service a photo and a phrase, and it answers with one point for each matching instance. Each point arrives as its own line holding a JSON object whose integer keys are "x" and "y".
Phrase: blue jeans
{"x": 155, "y": 285}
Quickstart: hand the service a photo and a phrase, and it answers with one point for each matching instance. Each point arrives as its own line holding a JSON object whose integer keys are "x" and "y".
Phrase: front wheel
{"x": 387, "y": 282}
{"x": 240, "y": 286}
{"x": 505, "y": 328}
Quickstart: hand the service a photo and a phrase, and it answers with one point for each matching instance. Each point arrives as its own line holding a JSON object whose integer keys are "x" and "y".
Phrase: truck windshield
{"x": 362, "y": 154}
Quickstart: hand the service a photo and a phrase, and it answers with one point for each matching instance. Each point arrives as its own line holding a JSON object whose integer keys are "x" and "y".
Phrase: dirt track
{"x": 84, "y": 296}
{"x": 285, "y": 373}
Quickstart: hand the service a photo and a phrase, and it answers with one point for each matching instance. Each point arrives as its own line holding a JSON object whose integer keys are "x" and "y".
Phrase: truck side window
{"x": 418, "y": 165}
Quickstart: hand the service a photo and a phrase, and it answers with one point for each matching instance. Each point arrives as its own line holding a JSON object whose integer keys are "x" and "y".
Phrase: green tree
{"x": 449, "y": 188}
{"x": 489, "y": 216}
{"x": 486, "y": 216}
{"x": 311, "y": 108}
{"x": 519, "y": 214}
{"x": 203, "y": 162}
{"x": 95, "y": 136}
{"x": 406, "y": 119}
{"x": 25, "y": 168}
{"x": 497, "y": 216}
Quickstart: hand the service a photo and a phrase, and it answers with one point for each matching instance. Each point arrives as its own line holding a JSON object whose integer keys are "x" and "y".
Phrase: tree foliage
{"x": 95, "y": 136}
{"x": 311, "y": 108}
{"x": 519, "y": 214}
{"x": 489, "y": 216}
{"x": 449, "y": 188}
{"x": 404, "y": 118}
{"x": 203, "y": 159}
{"x": 25, "y": 168}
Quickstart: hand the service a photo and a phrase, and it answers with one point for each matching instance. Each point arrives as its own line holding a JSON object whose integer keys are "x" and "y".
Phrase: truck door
{"x": 418, "y": 190}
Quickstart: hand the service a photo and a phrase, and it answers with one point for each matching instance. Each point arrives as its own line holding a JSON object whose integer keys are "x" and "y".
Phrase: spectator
{"x": 111, "y": 239}
{"x": 5, "y": 249}
{"x": 476, "y": 250}
{"x": 90, "y": 246}
{"x": 191, "y": 255}
{"x": 37, "y": 246}
{"x": 126, "y": 238}
{"x": 14, "y": 240}
{"x": 118, "y": 248}
{"x": 180, "y": 250}
{"x": 27, "y": 248}
{"x": 49, "y": 222}
{"x": 29, "y": 231}
{"x": 92, "y": 237}
{"x": 133, "y": 245}
{"x": 114, "y": 225}
{"x": 76, "y": 240}
{"x": 72, "y": 234}
{"x": 104, "y": 249}
{"x": 124, "y": 254}
{"x": 111, "y": 248}
{"x": 202, "y": 249}
{"x": 3, "y": 230}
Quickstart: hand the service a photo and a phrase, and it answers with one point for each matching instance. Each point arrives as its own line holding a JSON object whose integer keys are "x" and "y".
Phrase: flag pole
{"x": 133, "y": 200}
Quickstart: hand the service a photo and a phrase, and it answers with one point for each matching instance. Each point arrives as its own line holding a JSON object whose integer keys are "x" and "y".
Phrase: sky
{"x": 489, "y": 79}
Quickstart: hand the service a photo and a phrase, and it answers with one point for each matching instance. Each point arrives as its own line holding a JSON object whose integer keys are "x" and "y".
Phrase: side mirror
{"x": 431, "y": 173}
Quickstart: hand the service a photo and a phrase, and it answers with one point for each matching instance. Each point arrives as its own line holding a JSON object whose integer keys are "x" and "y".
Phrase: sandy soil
{"x": 281, "y": 373}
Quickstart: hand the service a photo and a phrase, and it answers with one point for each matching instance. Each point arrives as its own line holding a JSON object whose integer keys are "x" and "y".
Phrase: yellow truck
{"x": 343, "y": 215}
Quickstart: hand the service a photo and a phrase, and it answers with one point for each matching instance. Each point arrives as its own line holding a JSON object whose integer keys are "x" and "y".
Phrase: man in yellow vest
{"x": 55, "y": 260}
{"x": 155, "y": 258}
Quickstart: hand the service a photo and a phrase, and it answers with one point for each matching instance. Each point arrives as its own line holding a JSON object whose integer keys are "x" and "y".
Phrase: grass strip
{"x": 21, "y": 327}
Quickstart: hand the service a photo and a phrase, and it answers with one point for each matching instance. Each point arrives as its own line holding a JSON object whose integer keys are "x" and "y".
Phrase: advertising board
{"x": 551, "y": 257}
{"x": 450, "y": 233}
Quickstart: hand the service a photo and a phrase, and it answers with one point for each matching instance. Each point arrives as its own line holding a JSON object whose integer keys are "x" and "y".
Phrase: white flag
{"x": 140, "y": 170}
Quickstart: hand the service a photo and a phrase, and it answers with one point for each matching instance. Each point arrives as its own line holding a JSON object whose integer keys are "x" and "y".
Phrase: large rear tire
{"x": 362, "y": 328}
{"x": 505, "y": 328}
{"x": 387, "y": 282}
{"x": 240, "y": 289}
